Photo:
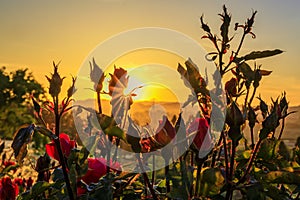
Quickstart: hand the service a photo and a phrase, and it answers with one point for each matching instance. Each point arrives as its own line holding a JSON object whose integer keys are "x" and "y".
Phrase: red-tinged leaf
{"x": 265, "y": 72}
{"x": 262, "y": 54}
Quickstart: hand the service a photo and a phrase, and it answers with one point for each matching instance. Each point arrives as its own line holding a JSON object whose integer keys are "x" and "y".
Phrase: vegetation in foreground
{"x": 233, "y": 169}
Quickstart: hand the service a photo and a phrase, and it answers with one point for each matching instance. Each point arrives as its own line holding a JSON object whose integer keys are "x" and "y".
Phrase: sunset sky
{"x": 35, "y": 33}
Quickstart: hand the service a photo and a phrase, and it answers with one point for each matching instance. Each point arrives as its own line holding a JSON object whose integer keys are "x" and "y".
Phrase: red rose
{"x": 165, "y": 132}
{"x": 202, "y": 142}
{"x": 8, "y": 189}
{"x": 8, "y": 163}
{"x": 66, "y": 145}
{"x": 19, "y": 181}
{"x": 97, "y": 169}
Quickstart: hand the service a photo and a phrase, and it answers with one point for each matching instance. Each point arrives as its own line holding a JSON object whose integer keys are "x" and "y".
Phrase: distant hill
{"x": 139, "y": 110}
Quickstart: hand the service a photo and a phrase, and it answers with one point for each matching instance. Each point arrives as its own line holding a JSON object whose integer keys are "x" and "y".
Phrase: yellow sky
{"x": 34, "y": 33}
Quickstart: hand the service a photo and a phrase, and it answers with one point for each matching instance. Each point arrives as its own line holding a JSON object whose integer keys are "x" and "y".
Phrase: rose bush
{"x": 227, "y": 170}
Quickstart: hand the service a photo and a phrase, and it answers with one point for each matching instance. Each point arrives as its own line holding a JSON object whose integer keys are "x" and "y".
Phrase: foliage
{"x": 15, "y": 90}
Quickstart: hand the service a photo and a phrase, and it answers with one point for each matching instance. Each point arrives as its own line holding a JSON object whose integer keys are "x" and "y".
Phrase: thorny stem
{"x": 126, "y": 105}
{"x": 146, "y": 179}
{"x": 153, "y": 170}
{"x": 282, "y": 128}
{"x": 225, "y": 155}
{"x": 246, "y": 99}
{"x": 168, "y": 188}
{"x": 221, "y": 61}
{"x": 199, "y": 167}
{"x": 108, "y": 154}
{"x": 252, "y": 97}
{"x": 59, "y": 150}
{"x": 252, "y": 137}
{"x": 233, "y": 151}
{"x": 240, "y": 45}
{"x": 229, "y": 189}
{"x": 250, "y": 161}
{"x": 99, "y": 103}
{"x": 236, "y": 53}
{"x": 215, "y": 152}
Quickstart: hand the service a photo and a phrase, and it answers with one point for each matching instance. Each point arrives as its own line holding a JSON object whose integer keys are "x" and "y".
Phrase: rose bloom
{"x": 96, "y": 169}
{"x": 8, "y": 189}
{"x": 66, "y": 145}
{"x": 202, "y": 142}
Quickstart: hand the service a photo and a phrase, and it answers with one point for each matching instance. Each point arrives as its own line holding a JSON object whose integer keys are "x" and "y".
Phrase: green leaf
{"x": 211, "y": 182}
{"x": 46, "y": 132}
{"x": 284, "y": 151}
{"x": 261, "y": 54}
{"x": 57, "y": 174}
{"x": 282, "y": 177}
{"x": 255, "y": 192}
{"x": 37, "y": 189}
{"x": 266, "y": 150}
{"x": 276, "y": 194}
{"x": 106, "y": 121}
{"x": 115, "y": 131}
{"x": 73, "y": 176}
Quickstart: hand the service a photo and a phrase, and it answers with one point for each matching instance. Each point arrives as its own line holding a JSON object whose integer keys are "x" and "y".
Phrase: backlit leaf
{"x": 262, "y": 54}
{"x": 21, "y": 139}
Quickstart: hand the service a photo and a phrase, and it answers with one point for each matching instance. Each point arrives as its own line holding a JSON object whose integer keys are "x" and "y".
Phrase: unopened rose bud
{"x": 283, "y": 105}
{"x": 55, "y": 82}
{"x": 257, "y": 78}
{"x": 231, "y": 87}
{"x": 251, "y": 117}
{"x": 72, "y": 89}
{"x": 234, "y": 117}
{"x": 271, "y": 122}
{"x": 263, "y": 107}
{"x": 97, "y": 76}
